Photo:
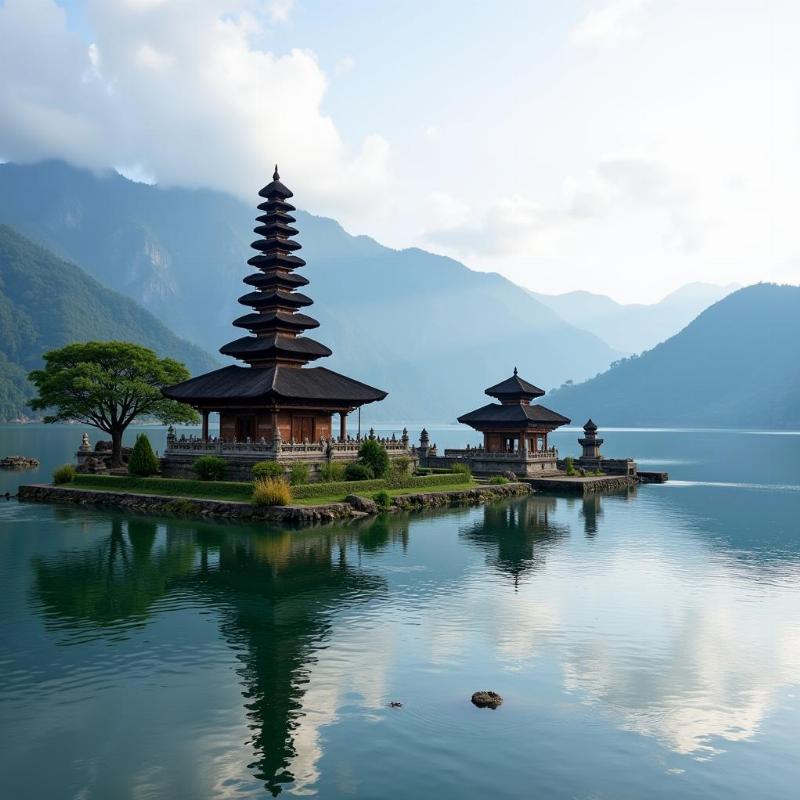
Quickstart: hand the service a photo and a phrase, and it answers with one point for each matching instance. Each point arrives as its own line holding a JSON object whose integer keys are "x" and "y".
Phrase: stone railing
{"x": 205, "y": 446}
{"x": 339, "y": 447}
{"x": 484, "y": 455}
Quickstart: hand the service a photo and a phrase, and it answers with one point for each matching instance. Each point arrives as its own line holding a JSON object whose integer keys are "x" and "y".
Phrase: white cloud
{"x": 629, "y": 179}
{"x": 617, "y": 188}
{"x": 609, "y": 24}
{"x": 446, "y": 212}
{"x": 188, "y": 98}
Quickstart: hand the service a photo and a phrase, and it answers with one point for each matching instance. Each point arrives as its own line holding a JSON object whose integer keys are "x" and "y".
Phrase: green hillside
{"x": 46, "y": 302}
{"x": 425, "y": 328}
{"x": 736, "y": 365}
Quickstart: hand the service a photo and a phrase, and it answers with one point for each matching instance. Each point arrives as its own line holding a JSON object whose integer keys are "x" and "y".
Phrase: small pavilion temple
{"x": 515, "y": 432}
{"x": 276, "y": 399}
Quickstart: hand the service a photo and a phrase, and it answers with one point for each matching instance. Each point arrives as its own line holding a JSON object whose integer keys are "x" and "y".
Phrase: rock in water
{"x": 363, "y": 504}
{"x": 19, "y": 462}
{"x": 486, "y": 699}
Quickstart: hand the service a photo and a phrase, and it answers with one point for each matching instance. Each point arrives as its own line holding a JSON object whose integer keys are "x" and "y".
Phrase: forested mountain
{"x": 46, "y": 302}
{"x": 634, "y": 327}
{"x": 425, "y": 328}
{"x": 736, "y": 365}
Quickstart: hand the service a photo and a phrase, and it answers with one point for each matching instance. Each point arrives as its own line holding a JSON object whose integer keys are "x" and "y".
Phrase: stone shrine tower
{"x": 590, "y": 443}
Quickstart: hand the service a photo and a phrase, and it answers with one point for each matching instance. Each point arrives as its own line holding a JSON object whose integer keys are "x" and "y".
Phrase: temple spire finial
{"x": 275, "y": 175}
{"x": 515, "y": 370}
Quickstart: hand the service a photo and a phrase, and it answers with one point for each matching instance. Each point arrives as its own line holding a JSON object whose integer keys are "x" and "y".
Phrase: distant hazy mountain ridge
{"x": 635, "y": 327}
{"x": 736, "y": 365}
{"x": 46, "y": 302}
{"x": 425, "y": 328}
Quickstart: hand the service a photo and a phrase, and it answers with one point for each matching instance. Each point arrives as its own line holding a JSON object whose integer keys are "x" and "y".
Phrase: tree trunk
{"x": 116, "y": 448}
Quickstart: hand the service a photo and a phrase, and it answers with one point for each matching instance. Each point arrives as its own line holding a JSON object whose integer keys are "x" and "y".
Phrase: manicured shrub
{"x": 401, "y": 464}
{"x": 498, "y": 480}
{"x": 397, "y": 477}
{"x": 210, "y": 468}
{"x": 373, "y": 454}
{"x": 267, "y": 469}
{"x": 298, "y": 473}
{"x": 343, "y": 488}
{"x": 64, "y": 474}
{"x": 383, "y": 500}
{"x": 331, "y": 471}
{"x": 570, "y": 465}
{"x": 143, "y": 461}
{"x": 461, "y": 469}
{"x": 356, "y": 471}
{"x": 271, "y": 492}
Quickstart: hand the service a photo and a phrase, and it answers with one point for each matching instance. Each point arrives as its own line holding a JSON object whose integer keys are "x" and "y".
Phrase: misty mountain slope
{"x": 736, "y": 365}
{"x": 46, "y": 302}
{"x": 425, "y": 328}
{"x": 632, "y": 328}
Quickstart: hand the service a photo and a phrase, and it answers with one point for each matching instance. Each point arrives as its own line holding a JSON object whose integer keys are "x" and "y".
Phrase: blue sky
{"x": 621, "y": 146}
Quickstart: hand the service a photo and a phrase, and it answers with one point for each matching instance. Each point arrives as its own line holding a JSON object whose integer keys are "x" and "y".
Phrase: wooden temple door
{"x": 245, "y": 427}
{"x": 303, "y": 429}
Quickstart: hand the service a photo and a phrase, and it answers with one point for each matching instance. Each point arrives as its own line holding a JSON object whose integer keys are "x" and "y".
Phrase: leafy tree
{"x": 373, "y": 454}
{"x": 108, "y": 385}
{"x": 143, "y": 461}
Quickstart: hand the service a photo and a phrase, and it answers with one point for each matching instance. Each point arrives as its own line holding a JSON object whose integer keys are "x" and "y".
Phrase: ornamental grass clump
{"x": 143, "y": 461}
{"x": 498, "y": 480}
{"x": 267, "y": 469}
{"x": 64, "y": 474}
{"x": 461, "y": 469}
{"x": 210, "y": 468}
{"x": 271, "y": 492}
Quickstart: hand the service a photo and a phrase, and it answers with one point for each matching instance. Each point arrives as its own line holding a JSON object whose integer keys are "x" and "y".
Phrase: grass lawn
{"x": 457, "y": 483}
{"x": 178, "y": 487}
{"x": 242, "y": 491}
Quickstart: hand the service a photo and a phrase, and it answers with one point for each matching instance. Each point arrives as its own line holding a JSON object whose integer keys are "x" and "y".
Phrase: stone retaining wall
{"x": 583, "y": 486}
{"x": 227, "y": 509}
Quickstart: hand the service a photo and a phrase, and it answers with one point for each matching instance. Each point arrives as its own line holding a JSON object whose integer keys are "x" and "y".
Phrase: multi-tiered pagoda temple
{"x": 276, "y": 397}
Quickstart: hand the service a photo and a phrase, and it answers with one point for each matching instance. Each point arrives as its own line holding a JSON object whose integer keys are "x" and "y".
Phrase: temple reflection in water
{"x": 275, "y": 593}
{"x": 517, "y": 536}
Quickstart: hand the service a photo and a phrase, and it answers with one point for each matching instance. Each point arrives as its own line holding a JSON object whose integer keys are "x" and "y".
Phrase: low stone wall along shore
{"x": 356, "y": 506}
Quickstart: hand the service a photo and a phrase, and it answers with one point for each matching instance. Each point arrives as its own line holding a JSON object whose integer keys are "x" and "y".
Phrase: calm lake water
{"x": 647, "y": 645}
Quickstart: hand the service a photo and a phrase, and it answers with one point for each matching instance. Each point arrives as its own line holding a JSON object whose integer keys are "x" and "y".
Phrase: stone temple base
{"x": 521, "y": 468}
{"x": 609, "y": 466}
{"x": 240, "y": 465}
